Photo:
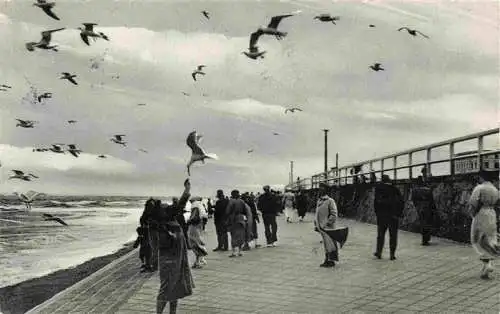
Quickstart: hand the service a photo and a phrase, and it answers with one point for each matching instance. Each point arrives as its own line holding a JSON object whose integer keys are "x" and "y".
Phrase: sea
{"x": 31, "y": 247}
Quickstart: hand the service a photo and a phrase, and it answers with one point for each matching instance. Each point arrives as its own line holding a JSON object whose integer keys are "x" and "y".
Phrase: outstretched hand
{"x": 187, "y": 184}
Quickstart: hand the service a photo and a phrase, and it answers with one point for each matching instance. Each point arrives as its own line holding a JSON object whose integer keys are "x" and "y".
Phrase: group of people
{"x": 167, "y": 236}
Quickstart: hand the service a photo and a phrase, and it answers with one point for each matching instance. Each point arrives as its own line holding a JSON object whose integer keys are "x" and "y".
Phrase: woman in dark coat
{"x": 176, "y": 281}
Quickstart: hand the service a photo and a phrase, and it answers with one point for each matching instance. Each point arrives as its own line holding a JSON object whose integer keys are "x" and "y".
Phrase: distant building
{"x": 466, "y": 162}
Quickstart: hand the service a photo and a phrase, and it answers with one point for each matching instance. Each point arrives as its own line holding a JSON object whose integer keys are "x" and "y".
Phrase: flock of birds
{"x": 193, "y": 140}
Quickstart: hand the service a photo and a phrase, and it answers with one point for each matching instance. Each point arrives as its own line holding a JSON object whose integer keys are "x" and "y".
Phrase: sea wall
{"x": 451, "y": 195}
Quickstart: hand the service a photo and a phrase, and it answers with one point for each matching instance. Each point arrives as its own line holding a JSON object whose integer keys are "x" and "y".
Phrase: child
{"x": 145, "y": 250}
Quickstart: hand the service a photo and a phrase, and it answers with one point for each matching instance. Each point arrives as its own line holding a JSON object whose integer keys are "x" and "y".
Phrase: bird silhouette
{"x": 73, "y": 150}
{"x": 118, "y": 139}
{"x": 28, "y": 198}
{"x": 292, "y": 110}
{"x": 198, "y": 154}
{"x": 198, "y": 71}
{"x": 72, "y": 121}
{"x": 253, "y": 49}
{"x": 377, "y": 67}
{"x": 18, "y": 174}
{"x": 272, "y": 27}
{"x": 49, "y": 217}
{"x": 68, "y": 76}
{"x": 413, "y": 32}
{"x": 44, "y": 43}
{"x": 327, "y": 18}
{"x": 47, "y": 8}
{"x": 276, "y": 133}
{"x": 102, "y": 156}
{"x": 371, "y": 25}
{"x": 45, "y": 95}
{"x": 206, "y": 14}
{"x": 26, "y": 123}
{"x": 141, "y": 104}
{"x": 143, "y": 150}
{"x": 88, "y": 31}
{"x": 57, "y": 148}
{"x": 250, "y": 151}
{"x": 4, "y": 87}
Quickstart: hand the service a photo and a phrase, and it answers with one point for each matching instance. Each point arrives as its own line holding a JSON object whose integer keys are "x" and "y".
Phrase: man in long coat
{"x": 424, "y": 203}
{"x": 325, "y": 219}
{"x": 220, "y": 222}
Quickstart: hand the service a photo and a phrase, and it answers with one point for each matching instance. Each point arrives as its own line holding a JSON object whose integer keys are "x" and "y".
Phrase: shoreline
{"x": 21, "y": 297}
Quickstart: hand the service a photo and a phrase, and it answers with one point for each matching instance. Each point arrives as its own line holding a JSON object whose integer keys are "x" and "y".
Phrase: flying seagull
{"x": 198, "y": 71}
{"x": 250, "y": 151}
{"x": 28, "y": 198}
{"x": 206, "y": 14}
{"x": 68, "y": 76}
{"x": 272, "y": 27}
{"x": 73, "y": 150}
{"x": 49, "y": 217}
{"x": 57, "y": 148}
{"x": 143, "y": 150}
{"x": 198, "y": 154}
{"x": 253, "y": 49}
{"x": 18, "y": 174}
{"x": 118, "y": 139}
{"x": 185, "y": 94}
{"x": 44, "y": 43}
{"x": 292, "y": 110}
{"x": 72, "y": 121}
{"x": 327, "y": 18}
{"x": 412, "y": 32}
{"x": 101, "y": 156}
{"x": 4, "y": 87}
{"x": 275, "y": 133}
{"x": 371, "y": 25}
{"x": 25, "y": 123}
{"x": 40, "y": 149}
{"x": 376, "y": 67}
{"x": 88, "y": 31}
{"x": 44, "y": 96}
{"x": 141, "y": 104}
{"x": 47, "y": 8}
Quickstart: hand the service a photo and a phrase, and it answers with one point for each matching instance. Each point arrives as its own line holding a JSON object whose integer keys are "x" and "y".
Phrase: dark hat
{"x": 266, "y": 187}
{"x": 235, "y": 193}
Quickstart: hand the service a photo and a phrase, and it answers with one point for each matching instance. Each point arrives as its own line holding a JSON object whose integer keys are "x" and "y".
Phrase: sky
{"x": 431, "y": 90}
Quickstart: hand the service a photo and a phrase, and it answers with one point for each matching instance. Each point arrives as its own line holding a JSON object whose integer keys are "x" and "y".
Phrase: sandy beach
{"x": 21, "y": 297}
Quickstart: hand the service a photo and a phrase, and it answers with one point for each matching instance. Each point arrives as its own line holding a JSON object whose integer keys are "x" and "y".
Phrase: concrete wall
{"x": 451, "y": 195}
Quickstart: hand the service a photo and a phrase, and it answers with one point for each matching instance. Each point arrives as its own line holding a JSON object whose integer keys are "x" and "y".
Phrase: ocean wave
{"x": 84, "y": 204}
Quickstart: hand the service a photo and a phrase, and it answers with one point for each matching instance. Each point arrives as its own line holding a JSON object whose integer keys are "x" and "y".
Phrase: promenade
{"x": 442, "y": 278}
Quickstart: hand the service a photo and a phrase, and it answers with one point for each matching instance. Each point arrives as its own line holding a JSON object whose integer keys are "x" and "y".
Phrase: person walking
{"x": 194, "y": 234}
{"x": 389, "y": 205}
{"x": 269, "y": 208}
{"x": 176, "y": 280}
{"x": 253, "y": 219}
{"x": 288, "y": 204}
{"x": 424, "y": 203}
{"x": 236, "y": 222}
{"x": 302, "y": 204}
{"x": 142, "y": 242}
{"x": 220, "y": 220}
{"x": 151, "y": 218}
{"x": 325, "y": 219}
{"x": 484, "y": 227}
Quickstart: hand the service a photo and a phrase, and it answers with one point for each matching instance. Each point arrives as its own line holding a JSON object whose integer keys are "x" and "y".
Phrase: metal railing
{"x": 357, "y": 172}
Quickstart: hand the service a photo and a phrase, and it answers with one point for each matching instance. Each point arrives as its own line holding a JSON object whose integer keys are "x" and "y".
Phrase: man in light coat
{"x": 325, "y": 219}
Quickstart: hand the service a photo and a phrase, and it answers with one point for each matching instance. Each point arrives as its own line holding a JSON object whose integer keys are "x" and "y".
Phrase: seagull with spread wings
{"x": 253, "y": 49}
{"x": 28, "y": 198}
{"x": 198, "y": 154}
{"x": 44, "y": 43}
{"x": 377, "y": 67}
{"x": 18, "y": 174}
{"x": 45, "y": 95}
{"x": 198, "y": 71}
{"x": 68, "y": 76}
{"x": 73, "y": 150}
{"x": 88, "y": 31}
{"x": 292, "y": 110}
{"x": 327, "y": 18}
{"x": 118, "y": 139}
{"x": 4, "y": 88}
{"x": 49, "y": 217}
{"x": 272, "y": 27}
{"x": 413, "y": 32}
{"x": 25, "y": 123}
{"x": 46, "y": 7}
{"x": 206, "y": 14}
{"x": 57, "y": 148}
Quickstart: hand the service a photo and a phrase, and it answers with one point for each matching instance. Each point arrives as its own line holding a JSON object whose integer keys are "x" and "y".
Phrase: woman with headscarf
{"x": 176, "y": 281}
{"x": 482, "y": 203}
{"x": 236, "y": 212}
{"x": 194, "y": 234}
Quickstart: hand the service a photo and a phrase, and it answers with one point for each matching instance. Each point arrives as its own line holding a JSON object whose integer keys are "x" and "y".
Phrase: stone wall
{"x": 451, "y": 195}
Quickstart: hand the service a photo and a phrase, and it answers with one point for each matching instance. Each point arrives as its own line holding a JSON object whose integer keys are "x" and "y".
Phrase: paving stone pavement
{"x": 442, "y": 278}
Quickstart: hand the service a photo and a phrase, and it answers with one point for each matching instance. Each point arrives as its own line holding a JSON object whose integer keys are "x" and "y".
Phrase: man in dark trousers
{"x": 389, "y": 206}
{"x": 424, "y": 203}
{"x": 302, "y": 204}
{"x": 220, "y": 222}
{"x": 269, "y": 206}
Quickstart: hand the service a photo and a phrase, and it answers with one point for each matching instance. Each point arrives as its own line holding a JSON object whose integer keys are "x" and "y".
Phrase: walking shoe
{"x": 269, "y": 245}
{"x": 246, "y": 247}
{"x": 274, "y": 244}
{"x": 393, "y": 258}
{"x": 217, "y": 249}
{"x": 328, "y": 264}
{"x": 257, "y": 246}
{"x": 377, "y": 255}
{"x": 426, "y": 243}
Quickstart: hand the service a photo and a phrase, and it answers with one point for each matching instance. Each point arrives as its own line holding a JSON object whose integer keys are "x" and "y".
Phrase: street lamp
{"x": 326, "y": 153}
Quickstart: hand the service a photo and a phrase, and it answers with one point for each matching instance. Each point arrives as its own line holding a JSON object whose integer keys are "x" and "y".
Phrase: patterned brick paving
{"x": 442, "y": 278}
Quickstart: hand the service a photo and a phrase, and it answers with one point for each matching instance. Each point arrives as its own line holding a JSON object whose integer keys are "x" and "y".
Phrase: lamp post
{"x": 326, "y": 153}
{"x": 291, "y": 171}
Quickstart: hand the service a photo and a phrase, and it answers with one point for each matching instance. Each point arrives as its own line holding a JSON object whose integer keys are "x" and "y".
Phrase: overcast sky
{"x": 432, "y": 89}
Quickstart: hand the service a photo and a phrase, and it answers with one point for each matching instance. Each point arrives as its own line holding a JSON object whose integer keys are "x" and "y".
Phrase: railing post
{"x": 395, "y": 162}
{"x": 381, "y": 168}
{"x": 479, "y": 151}
{"x": 410, "y": 165}
{"x": 452, "y": 161}
{"x": 427, "y": 163}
